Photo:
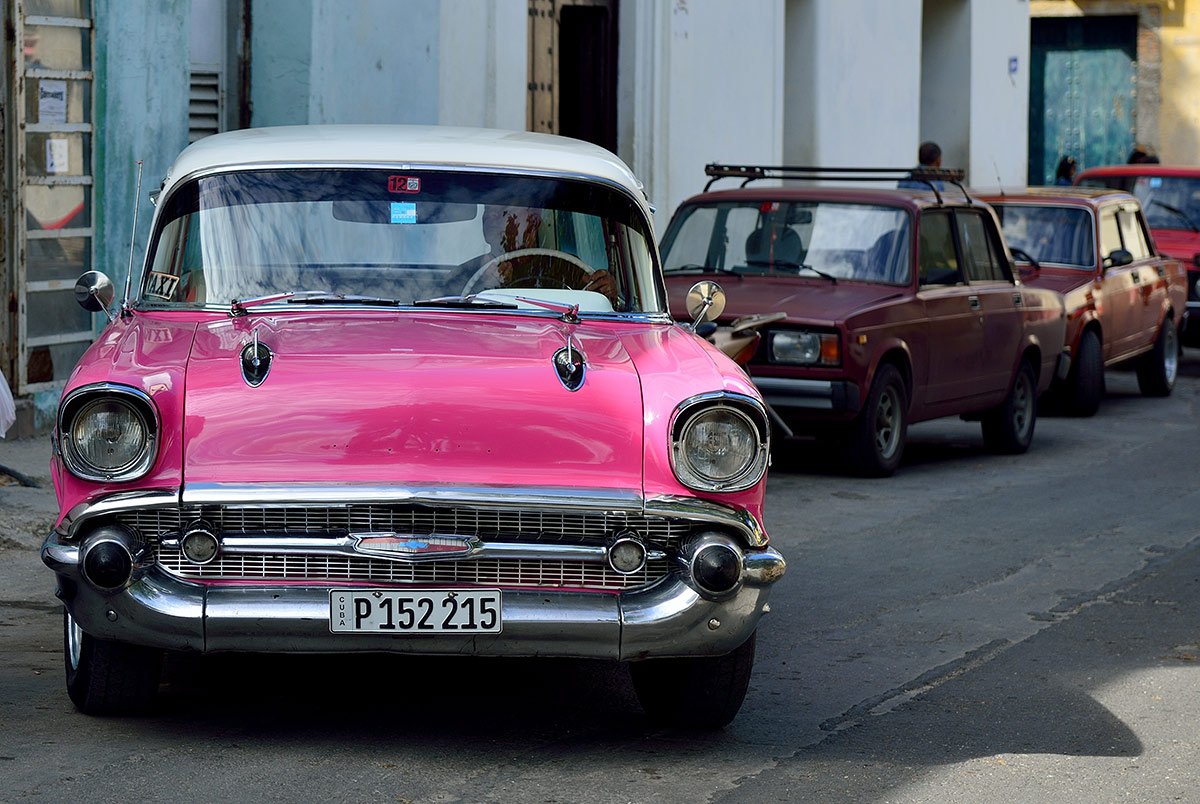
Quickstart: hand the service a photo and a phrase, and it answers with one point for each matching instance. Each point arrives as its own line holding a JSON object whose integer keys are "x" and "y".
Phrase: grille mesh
{"x": 531, "y": 573}
{"x": 532, "y": 526}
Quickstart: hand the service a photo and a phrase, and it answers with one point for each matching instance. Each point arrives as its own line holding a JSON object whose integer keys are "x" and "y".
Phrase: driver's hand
{"x": 602, "y": 281}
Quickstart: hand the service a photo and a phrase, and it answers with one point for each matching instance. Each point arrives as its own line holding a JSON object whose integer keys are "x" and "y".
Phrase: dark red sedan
{"x": 1170, "y": 197}
{"x": 1125, "y": 301}
{"x": 901, "y": 306}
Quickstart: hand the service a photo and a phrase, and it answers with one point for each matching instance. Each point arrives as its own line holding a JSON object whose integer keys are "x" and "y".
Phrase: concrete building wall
{"x": 945, "y": 86}
{"x": 999, "y": 92}
{"x": 853, "y": 89}
{"x": 141, "y": 114}
{"x": 375, "y": 61}
{"x": 281, "y": 35}
{"x": 485, "y": 80}
{"x": 710, "y": 90}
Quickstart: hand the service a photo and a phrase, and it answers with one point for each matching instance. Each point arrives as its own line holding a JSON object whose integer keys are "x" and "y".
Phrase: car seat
{"x": 769, "y": 245}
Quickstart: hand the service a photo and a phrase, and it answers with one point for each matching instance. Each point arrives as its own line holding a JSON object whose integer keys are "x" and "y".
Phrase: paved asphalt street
{"x": 977, "y": 628}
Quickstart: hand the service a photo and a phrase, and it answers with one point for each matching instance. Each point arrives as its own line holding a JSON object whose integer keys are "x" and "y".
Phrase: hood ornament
{"x": 256, "y": 362}
{"x": 571, "y": 365}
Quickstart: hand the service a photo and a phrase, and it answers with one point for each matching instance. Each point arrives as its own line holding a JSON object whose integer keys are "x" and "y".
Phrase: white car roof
{"x": 521, "y": 151}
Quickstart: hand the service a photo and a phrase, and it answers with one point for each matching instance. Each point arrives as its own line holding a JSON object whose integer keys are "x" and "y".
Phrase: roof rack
{"x": 749, "y": 173}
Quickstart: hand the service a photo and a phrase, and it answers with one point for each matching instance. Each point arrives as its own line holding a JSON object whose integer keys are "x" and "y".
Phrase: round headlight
{"x": 719, "y": 448}
{"x": 108, "y": 435}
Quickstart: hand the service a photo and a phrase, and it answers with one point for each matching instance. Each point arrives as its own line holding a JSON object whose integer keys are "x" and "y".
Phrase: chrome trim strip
{"x": 241, "y": 495}
{"x": 344, "y": 547}
{"x": 696, "y": 510}
{"x": 599, "y": 500}
{"x": 115, "y": 504}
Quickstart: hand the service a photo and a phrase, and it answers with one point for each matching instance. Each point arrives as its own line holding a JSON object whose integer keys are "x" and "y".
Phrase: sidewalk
{"x": 26, "y": 513}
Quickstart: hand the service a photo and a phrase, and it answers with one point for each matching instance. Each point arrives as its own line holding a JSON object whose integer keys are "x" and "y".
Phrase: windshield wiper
{"x": 341, "y": 298}
{"x": 464, "y": 302}
{"x": 707, "y": 269}
{"x": 797, "y": 266}
{"x": 1178, "y": 213}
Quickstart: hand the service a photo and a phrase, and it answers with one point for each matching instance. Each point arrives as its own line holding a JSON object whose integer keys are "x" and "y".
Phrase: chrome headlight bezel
{"x": 804, "y": 347}
{"x": 142, "y": 414}
{"x": 742, "y": 408}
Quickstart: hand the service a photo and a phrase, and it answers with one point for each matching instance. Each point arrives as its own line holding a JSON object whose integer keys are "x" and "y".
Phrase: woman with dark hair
{"x": 1065, "y": 175}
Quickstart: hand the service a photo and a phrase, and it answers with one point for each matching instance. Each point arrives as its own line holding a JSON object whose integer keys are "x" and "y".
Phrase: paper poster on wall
{"x": 52, "y": 101}
{"x": 56, "y": 156}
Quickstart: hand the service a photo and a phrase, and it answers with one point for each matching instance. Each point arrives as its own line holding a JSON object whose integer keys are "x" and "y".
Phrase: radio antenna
{"x": 137, "y": 194}
{"x": 999, "y": 181}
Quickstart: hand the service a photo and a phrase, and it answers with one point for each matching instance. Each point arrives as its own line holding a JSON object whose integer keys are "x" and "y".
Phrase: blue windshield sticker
{"x": 404, "y": 212}
{"x": 1155, "y": 182}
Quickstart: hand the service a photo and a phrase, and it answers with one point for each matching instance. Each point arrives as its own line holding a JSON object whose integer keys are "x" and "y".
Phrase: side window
{"x": 979, "y": 254}
{"x": 1110, "y": 235}
{"x": 1131, "y": 233}
{"x": 938, "y": 264}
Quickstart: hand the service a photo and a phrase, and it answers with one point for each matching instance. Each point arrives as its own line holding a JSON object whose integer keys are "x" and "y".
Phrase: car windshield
{"x": 367, "y": 236}
{"x": 861, "y": 242}
{"x": 1168, "y": 202}
{"x": 1051, "y": 235}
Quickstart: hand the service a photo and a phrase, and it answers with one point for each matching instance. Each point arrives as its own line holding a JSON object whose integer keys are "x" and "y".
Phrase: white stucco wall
{"x": 483, "y": 74}
{"x": 999, "y": 100}
{"x": 707, "y": 87}
{"x": 853, "y": 82}
{"x": 946, "y": 79}
{"x": 374, "y": 61}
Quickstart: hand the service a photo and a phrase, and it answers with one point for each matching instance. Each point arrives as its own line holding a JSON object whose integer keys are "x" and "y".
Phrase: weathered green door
{"x": 1083, "y": 80}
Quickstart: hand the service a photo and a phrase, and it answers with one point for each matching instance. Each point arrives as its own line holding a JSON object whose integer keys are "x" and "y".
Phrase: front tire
{"x": 108, "y": 678}
{"x": 1008, "y": 428}
{"x": 1158, "y": 368}
{"x": 1085, "y": 388}
{"x": 704, "y": 692}
{"x": 877, "y": 436}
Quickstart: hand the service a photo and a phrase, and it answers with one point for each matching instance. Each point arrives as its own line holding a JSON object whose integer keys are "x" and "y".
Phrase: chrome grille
{"x": 515, "y": 525}
{"x": 527, "y": 573}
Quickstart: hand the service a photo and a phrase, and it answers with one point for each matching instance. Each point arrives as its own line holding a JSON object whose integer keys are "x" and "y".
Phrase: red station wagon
{"x": 1124, "y": 300}
{"x": 1170, "y": 197}
{"x": 901, "y": 306}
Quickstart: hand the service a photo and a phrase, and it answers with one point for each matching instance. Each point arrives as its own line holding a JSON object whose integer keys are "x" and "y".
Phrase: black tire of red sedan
{"x": 876, "y": 441}
{"x": 109, "y": 678}
{"x": 1158, "y": 368}
{"x": 1085, "y": 387}
{"x": 704, "y": 692}
{"x": 1008, "y": 428}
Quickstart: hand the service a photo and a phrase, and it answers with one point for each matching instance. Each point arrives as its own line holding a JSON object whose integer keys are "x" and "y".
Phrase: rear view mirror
{"x": 387, "y": 211}
{"x": 1117, "y": 258}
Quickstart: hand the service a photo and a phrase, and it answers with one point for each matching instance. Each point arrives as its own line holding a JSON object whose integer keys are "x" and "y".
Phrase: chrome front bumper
{"x": 669, "y": 618}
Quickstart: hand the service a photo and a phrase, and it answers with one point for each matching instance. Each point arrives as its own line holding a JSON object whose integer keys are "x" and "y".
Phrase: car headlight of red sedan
{"x": 719, "y": 443}
{"x": 108, "y": 433}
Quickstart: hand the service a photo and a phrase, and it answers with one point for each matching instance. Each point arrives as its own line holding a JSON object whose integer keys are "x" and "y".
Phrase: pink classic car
{"x": 413, "y": 390}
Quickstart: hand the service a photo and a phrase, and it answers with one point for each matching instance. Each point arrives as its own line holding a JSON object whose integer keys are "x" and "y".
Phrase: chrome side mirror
{"x": 95, "y": 293}
{"x": 705, "y": 302}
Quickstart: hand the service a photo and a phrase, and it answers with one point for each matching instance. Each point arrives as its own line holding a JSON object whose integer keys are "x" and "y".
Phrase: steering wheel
{"x": 567, "y": 271}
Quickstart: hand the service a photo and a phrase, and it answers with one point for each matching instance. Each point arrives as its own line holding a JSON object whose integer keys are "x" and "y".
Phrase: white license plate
{"x": 415, "y": 611}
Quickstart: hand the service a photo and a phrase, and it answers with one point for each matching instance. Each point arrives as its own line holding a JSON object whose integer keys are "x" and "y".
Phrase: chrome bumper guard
{"x": 668, "y": 618}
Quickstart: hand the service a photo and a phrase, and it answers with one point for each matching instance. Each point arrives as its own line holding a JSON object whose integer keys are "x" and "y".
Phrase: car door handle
{"x": 973, "y": 301}
{"x": 1017, "y": 300}
{"x": 1137, "y": 279}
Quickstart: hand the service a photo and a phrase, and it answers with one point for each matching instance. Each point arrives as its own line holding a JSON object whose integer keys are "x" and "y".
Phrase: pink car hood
{"x": 452, "y": 398}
